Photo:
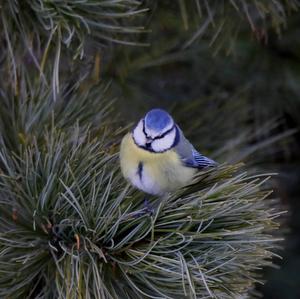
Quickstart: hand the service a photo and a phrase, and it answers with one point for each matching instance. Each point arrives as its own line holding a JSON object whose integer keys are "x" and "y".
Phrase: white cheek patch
{"x": 139, "y": 135}
{"x": 165, "y": 143}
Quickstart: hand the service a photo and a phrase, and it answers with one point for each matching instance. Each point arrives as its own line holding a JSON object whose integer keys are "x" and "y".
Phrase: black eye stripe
{"x": 164, "y": 134}
{"x": 160, "y": 136}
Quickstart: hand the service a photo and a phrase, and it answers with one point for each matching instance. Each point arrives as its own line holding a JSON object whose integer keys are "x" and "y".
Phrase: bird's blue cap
{"x": 158, "y": 120}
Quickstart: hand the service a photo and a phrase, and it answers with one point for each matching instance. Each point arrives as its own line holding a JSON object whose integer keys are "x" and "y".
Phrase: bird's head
{"x": 156, "y": 132}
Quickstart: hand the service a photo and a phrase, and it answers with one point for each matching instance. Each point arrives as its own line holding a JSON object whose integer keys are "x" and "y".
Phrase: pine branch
{"x": 71, "y": 228}
{"x": 25, "y": 113}
{"x": 36, "y": 33}
{"x": 222, "y": 21}
{"x": 69, "y": 22}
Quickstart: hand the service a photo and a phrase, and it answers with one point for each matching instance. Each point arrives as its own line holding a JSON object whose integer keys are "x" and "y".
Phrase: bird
{"x": 155, "y": 156}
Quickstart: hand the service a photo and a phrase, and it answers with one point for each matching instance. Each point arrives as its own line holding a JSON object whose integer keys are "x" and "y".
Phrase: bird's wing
{"x": 189, "y": 156}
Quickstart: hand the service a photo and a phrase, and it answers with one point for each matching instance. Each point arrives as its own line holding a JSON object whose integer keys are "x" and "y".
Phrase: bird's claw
{"x": 146, "y": 210}
{"x": 148, "y": 207}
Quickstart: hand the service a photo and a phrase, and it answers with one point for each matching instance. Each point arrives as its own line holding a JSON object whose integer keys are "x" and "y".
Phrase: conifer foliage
{"x": 70, "y": 226}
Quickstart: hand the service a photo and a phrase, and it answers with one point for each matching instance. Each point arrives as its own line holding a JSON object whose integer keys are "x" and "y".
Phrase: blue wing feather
{"x": 189, "y": 156}
{"x": 198, "y": 161}
{"x": 202, "y": 161}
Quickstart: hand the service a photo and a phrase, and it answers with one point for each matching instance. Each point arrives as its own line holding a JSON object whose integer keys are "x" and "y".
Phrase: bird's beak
{"x": 148, "y": 142}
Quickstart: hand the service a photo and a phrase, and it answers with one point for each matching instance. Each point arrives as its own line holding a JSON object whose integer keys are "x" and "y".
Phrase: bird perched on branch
{"x": 156, "y": 157}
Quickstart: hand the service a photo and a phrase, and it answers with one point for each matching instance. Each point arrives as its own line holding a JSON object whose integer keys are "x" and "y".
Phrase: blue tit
{"x": 156, "y": 157}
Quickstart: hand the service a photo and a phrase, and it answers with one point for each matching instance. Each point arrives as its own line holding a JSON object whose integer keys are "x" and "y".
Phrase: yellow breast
{"x": 154, "y": 173}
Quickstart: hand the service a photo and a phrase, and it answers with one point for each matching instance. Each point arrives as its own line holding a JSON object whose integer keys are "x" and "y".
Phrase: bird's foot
{"x": 148, "y": 208}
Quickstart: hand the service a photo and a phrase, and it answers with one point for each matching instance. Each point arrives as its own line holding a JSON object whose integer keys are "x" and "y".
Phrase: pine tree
{"x": 70, "y": 226}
